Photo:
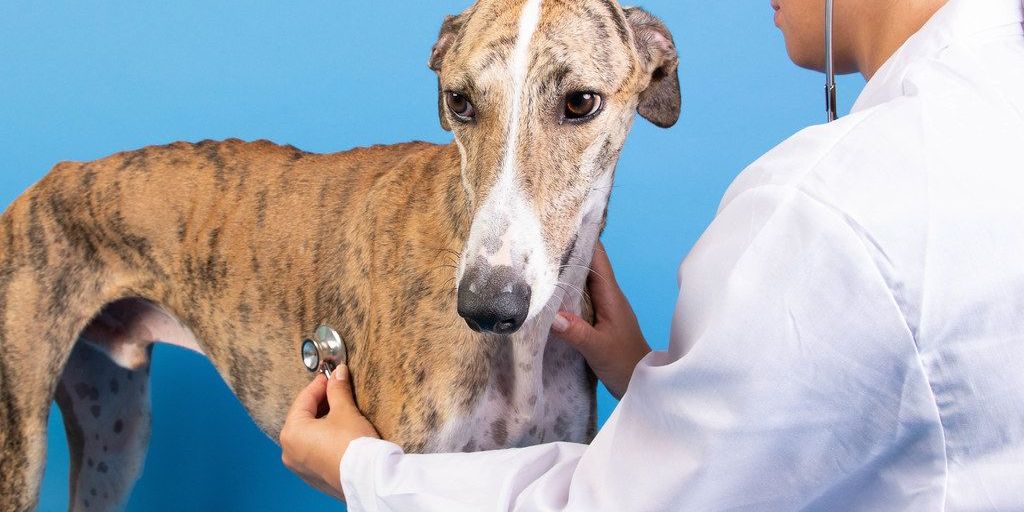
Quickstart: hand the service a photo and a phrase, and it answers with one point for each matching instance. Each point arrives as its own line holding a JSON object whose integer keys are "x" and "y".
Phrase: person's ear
{"x": 660, "y": 102}
{"x": 449, "y": 30}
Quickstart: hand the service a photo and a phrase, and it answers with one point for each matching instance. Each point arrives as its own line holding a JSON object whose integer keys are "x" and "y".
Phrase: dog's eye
{"x": 582, "y": 105}
{"x": 460, "y": 106}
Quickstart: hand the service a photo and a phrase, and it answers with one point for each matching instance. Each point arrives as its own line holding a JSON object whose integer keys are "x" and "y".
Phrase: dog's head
{"x": 540, "y": 95}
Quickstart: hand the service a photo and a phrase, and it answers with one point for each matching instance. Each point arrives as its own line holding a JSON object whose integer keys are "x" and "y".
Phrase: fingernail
{"x": 560, "y": 324}
{"x": 341, "y": 372}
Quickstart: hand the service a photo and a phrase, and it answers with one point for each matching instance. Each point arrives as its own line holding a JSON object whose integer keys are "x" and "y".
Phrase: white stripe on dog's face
{"x": 505, "y": 228}
{"x": 539, "y": 183}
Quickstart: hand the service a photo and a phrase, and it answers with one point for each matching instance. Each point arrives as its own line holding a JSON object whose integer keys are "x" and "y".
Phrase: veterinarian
{"x": 849, "y": 333}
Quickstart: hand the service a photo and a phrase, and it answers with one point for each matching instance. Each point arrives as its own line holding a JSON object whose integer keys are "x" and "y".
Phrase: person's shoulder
{"x": 853, "y": 145}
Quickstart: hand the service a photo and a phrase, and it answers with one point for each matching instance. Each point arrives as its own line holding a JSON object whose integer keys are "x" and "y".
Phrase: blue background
{"x": 81, "y": 80}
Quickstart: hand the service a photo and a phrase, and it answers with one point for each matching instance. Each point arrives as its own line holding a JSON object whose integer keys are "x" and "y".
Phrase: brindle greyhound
{"x": 238, "y": 250}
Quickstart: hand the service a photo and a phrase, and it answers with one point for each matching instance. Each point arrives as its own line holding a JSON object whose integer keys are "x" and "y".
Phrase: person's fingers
{"x": 309, "y": 399}
{"x": 574, "y": 330}
{"x": 602, "y": 263}
{"x": 339, "y": 389}
{"x": 604, "y": 290}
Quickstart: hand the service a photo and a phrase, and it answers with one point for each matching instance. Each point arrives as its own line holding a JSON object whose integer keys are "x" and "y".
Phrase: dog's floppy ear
{"x": 661, "y": 101}
{"x": 449, "y": 30}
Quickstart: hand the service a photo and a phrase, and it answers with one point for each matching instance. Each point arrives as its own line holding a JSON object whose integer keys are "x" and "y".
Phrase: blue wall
{"x": 80, "y": 80}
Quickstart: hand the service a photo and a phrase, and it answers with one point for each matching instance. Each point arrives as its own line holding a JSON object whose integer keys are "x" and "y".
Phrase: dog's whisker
{"x": 609, "y": 187}
{"x": 590, "y": 270}
{"x": 548, "y": 307}
{"x": 565, "y": 289}
{"x": 445, "y": 249}
{"x": 583, "y": 295}
{"x": 443, "y": 267}
{"x": 451, "y": 255}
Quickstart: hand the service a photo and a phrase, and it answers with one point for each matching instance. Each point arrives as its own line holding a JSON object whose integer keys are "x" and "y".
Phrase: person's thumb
{"x": 307, "y": 402}
{"x": 339, "y": 389}
{"x": 574, "y": 330}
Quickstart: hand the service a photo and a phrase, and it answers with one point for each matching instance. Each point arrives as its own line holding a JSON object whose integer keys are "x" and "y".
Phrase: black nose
{"x": 491, "y": 299}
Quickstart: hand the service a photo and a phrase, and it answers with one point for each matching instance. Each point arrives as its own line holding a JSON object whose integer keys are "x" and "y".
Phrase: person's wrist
{"x": 639, "y": 350}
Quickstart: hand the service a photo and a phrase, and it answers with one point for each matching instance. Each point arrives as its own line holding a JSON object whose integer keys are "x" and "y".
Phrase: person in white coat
{"x": 849, "y": 333}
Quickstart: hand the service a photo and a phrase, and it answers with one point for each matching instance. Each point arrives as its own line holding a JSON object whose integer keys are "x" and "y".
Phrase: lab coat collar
{"x": 957, "y": 19}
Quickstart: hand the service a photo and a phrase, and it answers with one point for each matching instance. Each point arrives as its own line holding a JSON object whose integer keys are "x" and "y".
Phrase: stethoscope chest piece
{"x": 324, "y": 351}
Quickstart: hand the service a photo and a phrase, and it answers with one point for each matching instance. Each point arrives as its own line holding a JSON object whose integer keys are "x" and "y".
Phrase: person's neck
{"x": 885, "y": 26}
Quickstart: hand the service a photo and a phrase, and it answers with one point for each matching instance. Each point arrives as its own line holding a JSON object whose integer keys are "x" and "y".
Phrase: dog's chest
{"x": 544, "y": 395}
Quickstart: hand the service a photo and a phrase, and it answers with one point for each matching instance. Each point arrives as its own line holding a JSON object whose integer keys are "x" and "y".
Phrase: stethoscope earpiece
{"x": 324, "y": 351}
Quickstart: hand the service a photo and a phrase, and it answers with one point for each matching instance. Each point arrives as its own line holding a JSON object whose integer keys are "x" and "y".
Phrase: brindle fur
{"x": 251, "y": 245}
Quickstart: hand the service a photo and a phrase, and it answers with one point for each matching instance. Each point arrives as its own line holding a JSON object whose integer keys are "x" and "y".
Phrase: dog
{"x": 441, "y": 266}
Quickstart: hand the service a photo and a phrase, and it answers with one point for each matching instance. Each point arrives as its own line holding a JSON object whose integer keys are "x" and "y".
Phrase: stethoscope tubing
{"x": 830, "y": 71}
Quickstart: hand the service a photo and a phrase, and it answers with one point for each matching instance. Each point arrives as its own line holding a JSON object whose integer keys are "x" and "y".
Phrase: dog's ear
{"x": 449, "y": 30}
{"x": 660, "y": 102}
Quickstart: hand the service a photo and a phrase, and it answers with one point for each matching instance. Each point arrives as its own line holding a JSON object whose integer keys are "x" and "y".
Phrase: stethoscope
{"x": 830, "y": 72}
{"x": 324, "y": 351}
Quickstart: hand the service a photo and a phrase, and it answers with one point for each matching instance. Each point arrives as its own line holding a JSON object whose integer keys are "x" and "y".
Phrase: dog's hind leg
{"x": 106, "y": 411}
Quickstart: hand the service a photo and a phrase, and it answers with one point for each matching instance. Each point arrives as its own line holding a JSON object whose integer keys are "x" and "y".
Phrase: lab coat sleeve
{"x": 791, "y": 381}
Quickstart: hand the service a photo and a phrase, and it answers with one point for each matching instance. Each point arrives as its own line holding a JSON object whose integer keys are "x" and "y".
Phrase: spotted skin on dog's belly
{"x": 527, "y": 409}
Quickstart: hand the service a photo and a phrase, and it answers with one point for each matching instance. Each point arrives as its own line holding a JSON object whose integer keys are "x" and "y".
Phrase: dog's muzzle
{"x": 493, "y": 299}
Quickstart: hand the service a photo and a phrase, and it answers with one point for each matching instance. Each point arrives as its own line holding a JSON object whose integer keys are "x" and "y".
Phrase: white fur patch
{"x": 528, "y": 21}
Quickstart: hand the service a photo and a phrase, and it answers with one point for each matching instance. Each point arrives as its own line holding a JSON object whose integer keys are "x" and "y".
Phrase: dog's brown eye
{"x": 581, "y": 105}
{"x": 460, "y": 106}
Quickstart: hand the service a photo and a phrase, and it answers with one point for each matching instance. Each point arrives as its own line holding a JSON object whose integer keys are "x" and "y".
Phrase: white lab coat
{"x": 849, "y": 333}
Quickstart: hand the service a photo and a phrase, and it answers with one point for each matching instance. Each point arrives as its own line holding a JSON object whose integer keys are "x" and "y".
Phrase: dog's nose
{"x": 492, "y": 299}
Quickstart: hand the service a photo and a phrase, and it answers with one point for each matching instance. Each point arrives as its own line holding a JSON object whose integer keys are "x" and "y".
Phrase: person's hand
{"x": 312, "y": 445}
{"x": 614, "y": 344}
